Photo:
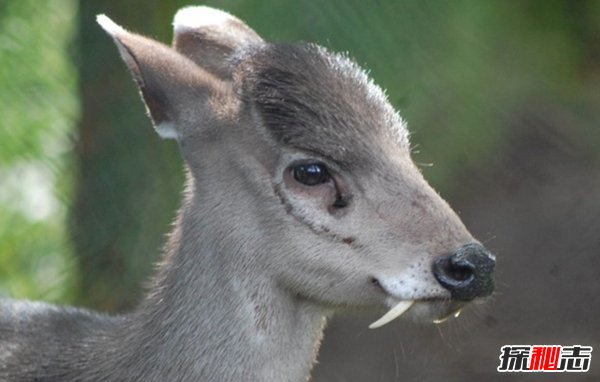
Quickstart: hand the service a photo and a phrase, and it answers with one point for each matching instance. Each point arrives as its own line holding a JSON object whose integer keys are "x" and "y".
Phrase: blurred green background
{"x": 502, "y": 99}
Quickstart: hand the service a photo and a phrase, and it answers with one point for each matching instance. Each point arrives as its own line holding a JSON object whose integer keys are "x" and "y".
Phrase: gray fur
{"x": 322, "y": 102}
{"x": 256, "y": 261}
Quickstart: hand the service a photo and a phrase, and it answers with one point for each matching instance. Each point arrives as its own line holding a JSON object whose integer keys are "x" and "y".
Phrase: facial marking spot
{"x": 348, "y": 240}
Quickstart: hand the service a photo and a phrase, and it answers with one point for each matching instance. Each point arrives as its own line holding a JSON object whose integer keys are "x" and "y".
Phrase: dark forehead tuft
{"x": 322, "y": 102}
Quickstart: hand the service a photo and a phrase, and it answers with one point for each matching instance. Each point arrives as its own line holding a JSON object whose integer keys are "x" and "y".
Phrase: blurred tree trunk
{"x": 129, "y": 182}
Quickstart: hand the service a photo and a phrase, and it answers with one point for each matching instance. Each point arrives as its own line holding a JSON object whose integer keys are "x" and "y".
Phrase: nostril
{"x": 459, "y": 273}
{"x": 467, "y": 273}
{"x": 452, "y": 273}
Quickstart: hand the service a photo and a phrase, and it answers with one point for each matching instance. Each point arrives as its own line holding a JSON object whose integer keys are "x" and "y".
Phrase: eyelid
{"x": 307, "y": 156}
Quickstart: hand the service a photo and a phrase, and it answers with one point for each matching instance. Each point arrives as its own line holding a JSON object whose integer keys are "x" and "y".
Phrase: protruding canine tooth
{"x": 443, "y": 319}
{"x": 440, "y": 320}
{"x": 393, "y": 313}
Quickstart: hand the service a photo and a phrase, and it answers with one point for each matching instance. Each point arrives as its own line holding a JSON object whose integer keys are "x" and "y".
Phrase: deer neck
{"x": 220, "y": 319}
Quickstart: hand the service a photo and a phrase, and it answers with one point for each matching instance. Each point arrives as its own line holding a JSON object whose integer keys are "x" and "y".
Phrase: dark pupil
{"x": 311, "y": 174}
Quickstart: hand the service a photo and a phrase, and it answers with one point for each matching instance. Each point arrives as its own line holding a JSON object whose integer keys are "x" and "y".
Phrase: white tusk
{"x": 440, "y": 320}
{"x": 393, "y": 313}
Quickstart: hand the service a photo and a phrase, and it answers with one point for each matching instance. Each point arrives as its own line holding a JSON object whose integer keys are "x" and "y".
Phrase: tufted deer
{"x": 301, "y": 200}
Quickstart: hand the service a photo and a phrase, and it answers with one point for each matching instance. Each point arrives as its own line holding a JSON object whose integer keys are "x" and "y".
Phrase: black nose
{"x": 467, "y": 273}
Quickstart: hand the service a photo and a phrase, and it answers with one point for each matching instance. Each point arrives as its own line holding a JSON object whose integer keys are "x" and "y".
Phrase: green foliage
{"x": 38, "y": 107}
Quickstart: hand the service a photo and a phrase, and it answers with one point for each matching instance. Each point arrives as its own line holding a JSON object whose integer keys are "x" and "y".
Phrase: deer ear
{"x": 170, "y": 83}
{"x": 211, "y": 38}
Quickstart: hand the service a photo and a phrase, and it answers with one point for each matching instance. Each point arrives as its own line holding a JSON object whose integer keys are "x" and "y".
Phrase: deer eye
{"x": 311, "y": 174}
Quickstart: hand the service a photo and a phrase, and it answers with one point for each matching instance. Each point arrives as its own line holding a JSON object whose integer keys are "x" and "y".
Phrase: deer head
{"x": 300, "y": 172}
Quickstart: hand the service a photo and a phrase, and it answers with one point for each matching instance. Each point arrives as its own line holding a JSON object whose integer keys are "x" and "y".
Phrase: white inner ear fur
{"x": 198, "y": 17}
{"x": 166, "y": 130}
{"x": 109, "y": 26}
{"x": 114, "y": 30}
